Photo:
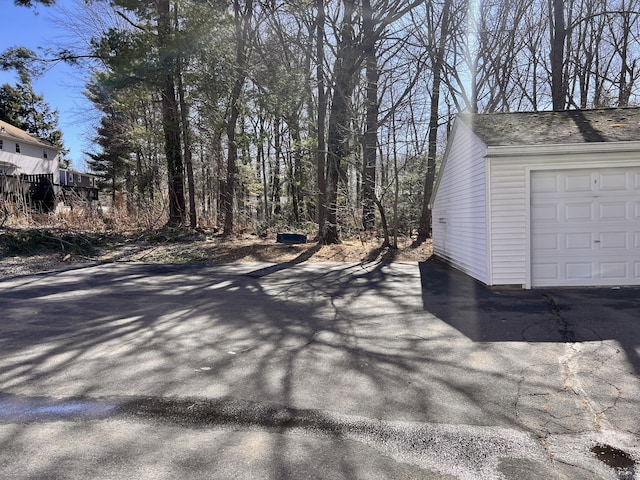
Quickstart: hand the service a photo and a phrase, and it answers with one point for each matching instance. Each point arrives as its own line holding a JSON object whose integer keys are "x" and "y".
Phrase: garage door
{"x": 585, "y": 227}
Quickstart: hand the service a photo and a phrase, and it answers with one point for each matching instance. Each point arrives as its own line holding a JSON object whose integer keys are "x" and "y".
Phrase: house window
{"x": 17, "y": 148}
{"x": 45, "y": 154}
{"x": 1, "y": 143}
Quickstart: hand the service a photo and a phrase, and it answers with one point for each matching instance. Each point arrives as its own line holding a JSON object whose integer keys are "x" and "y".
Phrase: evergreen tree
{"x": 23, "y": 108}
{"x": 112, "y": 163}
{"x": 147, "y": 55}
{"x": 32, "y": 3}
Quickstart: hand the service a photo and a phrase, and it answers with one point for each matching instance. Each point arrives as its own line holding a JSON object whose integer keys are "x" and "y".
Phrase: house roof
{"x": 541, "y": 128}
{"x": 9, "y": 131}
{"x": 77, "y": 172}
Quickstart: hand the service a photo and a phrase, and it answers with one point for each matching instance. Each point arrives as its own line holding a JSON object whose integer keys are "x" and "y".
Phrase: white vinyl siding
{"x": 459, "y": 208}
{"x": 29, "y": 161}
{"x": 510, "y": 203}
{"x": 507, "y": 223}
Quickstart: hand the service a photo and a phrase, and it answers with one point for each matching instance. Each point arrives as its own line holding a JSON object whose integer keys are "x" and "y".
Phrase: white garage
{"x": 542, "y": 199}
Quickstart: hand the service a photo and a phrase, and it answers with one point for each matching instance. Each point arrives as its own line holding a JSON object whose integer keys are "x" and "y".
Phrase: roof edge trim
{"x": 561, "y": 149}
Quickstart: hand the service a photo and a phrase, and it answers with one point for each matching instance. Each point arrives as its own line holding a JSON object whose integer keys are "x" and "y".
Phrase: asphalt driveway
{"x": 314, "y": 371}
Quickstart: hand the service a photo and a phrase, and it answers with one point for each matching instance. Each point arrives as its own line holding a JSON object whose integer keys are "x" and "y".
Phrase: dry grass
{"x": 254, "y": 249}
{"x": 29, "y": 250}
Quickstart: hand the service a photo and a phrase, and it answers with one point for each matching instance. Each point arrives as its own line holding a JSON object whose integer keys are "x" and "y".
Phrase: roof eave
{"x": 497, "y": 151}
{"x": 24, "y": 137}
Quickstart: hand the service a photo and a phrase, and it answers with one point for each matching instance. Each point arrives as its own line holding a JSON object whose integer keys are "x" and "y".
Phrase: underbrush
{"x": 34, "y": 241}
{"x": 83, "y": 234}
{"x": 79, "y": 232}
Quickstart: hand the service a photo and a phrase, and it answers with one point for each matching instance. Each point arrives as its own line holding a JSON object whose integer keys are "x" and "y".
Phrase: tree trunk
{"x": 263, "y": 165}
{"x": 321, "y": 208}
{"x": 171, "y": 121}
{"x": 624, "y": 92}
{"x": 140, "y": 187}
{"x": 242, "y": 26}
{"x": 296, "y": 174}
{"x": 558, "y": 34}
{"x": 370, "y": 141}
{"x": 186, "y": 137}
{"x": 424, "y": 228}
{"x": 229, "y": 191}
{"x": 396, "y": 180}
{"x": 346, "y": 65}
{"x": 275, "y": 183}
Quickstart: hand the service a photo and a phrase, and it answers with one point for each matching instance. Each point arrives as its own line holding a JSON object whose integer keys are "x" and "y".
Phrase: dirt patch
{"x": 52, "y": 250}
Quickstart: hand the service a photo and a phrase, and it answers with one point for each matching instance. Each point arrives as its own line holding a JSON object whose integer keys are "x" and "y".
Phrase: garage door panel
{"x": 614, "y": 270}
{"x": 579, "y": 241}
{"x": 578, "y": 182}
{"x": 587, "y": 232}
{"x": 612, "y": 211}
{"x": 547, "y": 272}
{"x": 545, "y": 182}
{"x": 546, "y": 213}
{"x": 578, "y": 212}
{"x": 612, "y": 181}
{"x": 549, "y": 242}
{"x": 578, "y": 270}
{"x": 614, "y": 241}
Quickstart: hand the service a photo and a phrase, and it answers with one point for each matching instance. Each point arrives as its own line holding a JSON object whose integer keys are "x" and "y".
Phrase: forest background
{"x": 322, "y": 117}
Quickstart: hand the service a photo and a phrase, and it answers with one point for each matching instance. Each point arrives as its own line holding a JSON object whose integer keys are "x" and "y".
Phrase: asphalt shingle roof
{"x": 8, "y": 131}
{"x": 542, "y": 128}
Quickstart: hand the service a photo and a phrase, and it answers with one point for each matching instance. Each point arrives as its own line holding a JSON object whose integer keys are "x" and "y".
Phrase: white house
{"x": 21, "y": 153}
{"x": 542, "y": 198}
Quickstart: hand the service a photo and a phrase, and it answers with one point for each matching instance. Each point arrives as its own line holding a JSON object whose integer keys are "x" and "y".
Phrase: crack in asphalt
{"x": 570, "y": 365}
{"x": 575, "y": 372}
{"x": 573, "y": 384}
{"x": 565, "y": 328}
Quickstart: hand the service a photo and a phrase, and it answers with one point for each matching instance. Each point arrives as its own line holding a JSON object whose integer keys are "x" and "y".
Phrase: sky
{"x": 61, "y": 85}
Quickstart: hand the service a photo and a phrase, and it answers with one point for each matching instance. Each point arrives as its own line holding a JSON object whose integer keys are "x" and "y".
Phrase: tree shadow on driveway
{"x": 493, "y": 314}
{"x": 283, "y": 346}
{"x": 307, "y": 339}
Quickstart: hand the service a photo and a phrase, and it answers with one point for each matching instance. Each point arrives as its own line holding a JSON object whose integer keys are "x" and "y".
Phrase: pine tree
{"x": 23, "y": 108}
{"x": 112, "y": 163}
{"x": 32, "y": 3}
{"x": 148, "y": 56}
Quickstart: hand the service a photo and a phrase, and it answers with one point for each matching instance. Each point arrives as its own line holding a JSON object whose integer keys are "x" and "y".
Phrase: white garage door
{"x": 585, "y": 227}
